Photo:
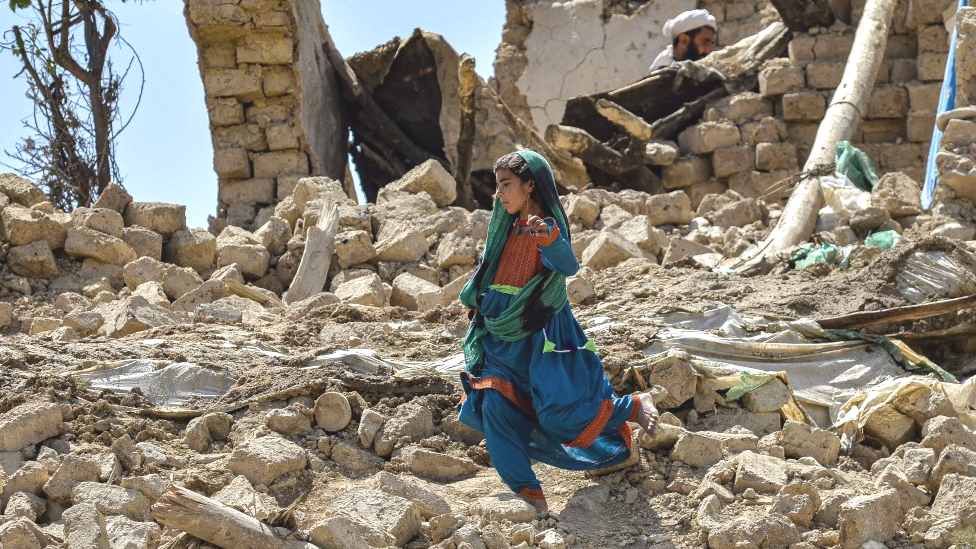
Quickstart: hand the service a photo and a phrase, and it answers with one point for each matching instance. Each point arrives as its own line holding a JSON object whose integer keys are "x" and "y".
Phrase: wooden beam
{"x": 866, "y": 319}
{"x": 465, "y": 145}
{"x": 627, "y": 167}
{"x": 313, "y": 270}
{"x": 624, "y": 119}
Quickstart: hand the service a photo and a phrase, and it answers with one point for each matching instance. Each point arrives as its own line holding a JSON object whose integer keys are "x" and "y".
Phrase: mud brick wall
{"x": 272, "y": 99}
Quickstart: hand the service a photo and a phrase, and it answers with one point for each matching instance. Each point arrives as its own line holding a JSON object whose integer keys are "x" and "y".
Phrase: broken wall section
{"x": 554, "y": 51}
{"x": 273, "y": 101}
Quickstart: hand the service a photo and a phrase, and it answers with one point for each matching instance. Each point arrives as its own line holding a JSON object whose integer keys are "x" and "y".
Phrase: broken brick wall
{"x": 272, "y": 98}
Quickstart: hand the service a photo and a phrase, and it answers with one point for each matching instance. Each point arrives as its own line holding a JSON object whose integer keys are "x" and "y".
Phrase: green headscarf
{"x": 540, "y": 299}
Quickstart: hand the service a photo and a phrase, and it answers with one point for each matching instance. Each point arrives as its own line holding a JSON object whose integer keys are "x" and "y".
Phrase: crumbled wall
{"x": 273, "y": 101}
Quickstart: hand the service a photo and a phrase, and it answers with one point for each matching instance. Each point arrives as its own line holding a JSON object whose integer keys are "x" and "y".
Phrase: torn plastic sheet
{"x": 365, "y": 361}
{"x": 165, "y": 384}
{"x": 929, "y": 273}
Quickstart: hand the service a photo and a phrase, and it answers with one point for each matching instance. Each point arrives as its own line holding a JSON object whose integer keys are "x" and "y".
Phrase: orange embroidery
{"x": 628, "y": 432}
{"x": 521, "y": 260}
{"x": 547, "y": 240}
{"x": 506, "y": 389}
{"x": 588, "y": 436}
{"x": 532, "y": 493}
{"x": 635, "y": 410}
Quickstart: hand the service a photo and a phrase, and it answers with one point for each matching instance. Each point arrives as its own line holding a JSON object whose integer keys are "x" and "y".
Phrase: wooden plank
{"x": 313, "y": 270}
{"x": 866, "y": 319}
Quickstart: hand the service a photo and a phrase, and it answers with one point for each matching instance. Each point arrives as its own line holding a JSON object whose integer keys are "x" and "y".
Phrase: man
{"x": 692, "y": 35}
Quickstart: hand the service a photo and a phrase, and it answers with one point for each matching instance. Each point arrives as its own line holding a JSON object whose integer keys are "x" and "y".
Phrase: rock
{"x": 552, "y": 540}
{"x": 773, "y": 531}
{"x": 84, "y": 528}
{"x": 112, "y": 500}
{"x": 799, "y": 440}
{"x": 412, "y": 421}
{"x": 194, "y": 248}
{"x": 33, "y": 260}
{"x": 355, "y": 459}
{"x": 668, "y": 430}
{"x": 923, "y": 404}
{"x": 911, "y": 496}
{"x": 680, "y": 248}
{"x": 415, "y": 294}
{"x": 152, "y": 292}
{"x": 208, "y": 292}
{"x": 917, "y": 464}
{"x": 84, "y": 242}
{"x": 394, "y": 515}
{"x": 759, "y": 472}
{"x": 673, "y": 208}
{"x": 264, "y": 459}
{"x": 429, "y": 502}
{"x": 798, "y": 502}
{"x": 608, "y": 249}
{"x": 429, "y": 177}
{"x": 353, "y": 248}
{"x": 342, "y": 532}
{"x": 369, "y": 424}
{"x": 889, "y": 427}
{"x": 707, "y": 514}
{"x": 869, "y": 218}
{"x": 769, "y": 397}
{"x": 20, "y": 190}
{"x": 202, "y": 431}
{"x": 737, "y": 214}
{"x": 291, "y": 421}
{"x": 640, "y": 231}
{"x": 956, "y": 496}
{"x": 113, "y": 197}
{"x": 953, "y": 460}
{"x": 456, "y": 249}
{"x": 870, "y": 517}
{"x": 72, "y": 471}
{"x": 20, "y": 533}
{"x": 130, "y": 315}
{"x": 144, "y": 242}
{"x": 697, "y": 449}
{"x": 897, "y": 193}
{"x": 240, "y": 495}
{"x": 364, "y": 290}
{"x": 438, "y": 466}
{"x": 165, "y": 219}
{"x": 613, "y": 216}
{"x": 253, "y": 260}
{"x": 22, "y": 226}
{"x": 274, "y": 235}
{"x": 84, "y": 323}
{"x": 151, "y": 486}
{"x": 400, "y": 243}
{"x": 676, "y": 376}
{"x": 99, "y": 219}
{"x": 333, "y": 412}
{"x": 579, "y": 288}
{"x": 130, "y": 534}
{"x": 25, "y": 504}
{"x": 502, "y": 507}
{"x": 940, "y": 432}
{"x": 29, "y": 424}
{"x": 582, "y": 209}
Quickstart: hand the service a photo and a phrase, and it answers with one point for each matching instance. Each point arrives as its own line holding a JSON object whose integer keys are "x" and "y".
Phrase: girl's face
{"x": 512, "y": 191}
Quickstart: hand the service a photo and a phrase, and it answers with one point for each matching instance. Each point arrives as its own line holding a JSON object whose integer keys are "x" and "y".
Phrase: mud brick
{"x": 833, "y": 46}
{"x": 825, "y": 75}
{"x": 801, "y": 49}
{"x": 888, "y": 102}
{"x": 728, "y": 161}
{"x": 931, "y": 66}
{"x": 687, "y": 171}
{"x": 924, "y": 97}
{"x": 919, "y": 125}
{"x": 708, "y": 136}
{"x": 776, "y": 156}
{"x": 804, "y": 106}
{"x": 232, "y": 163}
{"x": 779, "y": 80}
{"x": 934, "y": 39}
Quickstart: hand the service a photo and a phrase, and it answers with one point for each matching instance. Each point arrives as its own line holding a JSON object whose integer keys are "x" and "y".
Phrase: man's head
{"x": 692, "y": 34}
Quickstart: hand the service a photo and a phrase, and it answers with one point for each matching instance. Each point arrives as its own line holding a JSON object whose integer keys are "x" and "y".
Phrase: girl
{"x": 534, "y": 384}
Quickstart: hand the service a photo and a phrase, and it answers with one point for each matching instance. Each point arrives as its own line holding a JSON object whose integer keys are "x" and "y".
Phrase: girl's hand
{"x": 538, "y": 226}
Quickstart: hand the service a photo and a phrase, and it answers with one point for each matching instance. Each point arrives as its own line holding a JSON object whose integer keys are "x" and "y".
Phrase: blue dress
{"x": 545, "y": 397}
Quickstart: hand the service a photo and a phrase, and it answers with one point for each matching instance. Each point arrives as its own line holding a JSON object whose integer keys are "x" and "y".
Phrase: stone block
{"x": 112, "y": 500}
{"x": 176, "y": 281}
{"x": 746, "y": 106}
{"x": 278, "y": 81}
{"x": 415, "y": 294}
{"x": 825, "y": 75}
{"x": 265, "y": 49}
{"x": 773, "y": 530}
{"x": 660, "y": 153}
{"x": 33, "y": 260}
{"x": 919, "y": 126}
{"x": 642, "y": 232}
{"x": 83, "y": 242}
{"x": 918, "y": 464}
{"x": 876, "y": 517}
{"x": 728, "y": 161}
{"x": 686, "y": 172}
{"x": 429, "y": 177}
{"x": 364, "y": 290}
{"x": 762, "y": 473}
{"x": 833, "y": 46}
{"x": 253, "y": 260}
{"x": 798, "y": 502}
{"x": 410, "y": 422}
{"x": 194, "y": 248}
{"x": 933, "y": 38}
{"x": 104, "y": 220}
{"x": 800, "y": 440}
{"x": 394, "y": 515}
{"x": 890, "y": 427}
{"x": 426, "y": 497}
{"x": 20, "y": 190}
{"x": 769, "y": 397}
{"x": 931, "y": 66}
{"x": 582, "y": 209}
{"x": 354, "y": 247}
{"x": 247, "y": 191}
{"x": 698, "y": 450}
{"x": 405, "y": 246}
{"x": 232, "y": 163}
{"x": 888, "y": 102}
{"x": 292, "y": 421}
{"x": 737, "y": 214}
{"x": 285, "y": 136}
{"x": 84, "y": 528}
{"x": 144, "y": 242}
{"x": 953, "y": 460}
{"x": 247, "y": 136}
{"x": 680, "y": 248}
{"x": 130, "y": 315}
{"x": 240, "y": 83}
{"x": 774, "y": 81}
{"x": 219, "y": 56}
{"x": 706, "y": 137}
{"x": 955, "y": 496}
{"x": 22, "y": 226}
{"x": 85, "y": 323}
{"x": 456, "y": 249}
{"x": 924, "y": 97}
{"x": 804, "y": 105}
{"x": 942, "y": 431}
{"x": 275, "y": 163}
{"x": 163, "y": 218}
{"x": 898, "y": 193}
{"x": 672, "y": 208}
{"x": 29, "y": 424}
{"x": 436, "y": 465}
{"x": 225, "y": 111}
{"x": 608, "y": 249}
{"x": 776, "y": 156}
{"x": 203, "y": 431}
{"x": 264, "y": 459}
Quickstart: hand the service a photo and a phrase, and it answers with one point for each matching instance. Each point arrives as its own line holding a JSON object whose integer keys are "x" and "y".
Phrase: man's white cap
{"x": 689, "y": 21}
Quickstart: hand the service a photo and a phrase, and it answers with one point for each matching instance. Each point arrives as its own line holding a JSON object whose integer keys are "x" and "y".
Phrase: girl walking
{"x": 534, "y": 384}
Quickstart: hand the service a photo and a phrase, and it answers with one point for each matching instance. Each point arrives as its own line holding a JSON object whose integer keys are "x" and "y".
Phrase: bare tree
{"x": 75, "y": 89}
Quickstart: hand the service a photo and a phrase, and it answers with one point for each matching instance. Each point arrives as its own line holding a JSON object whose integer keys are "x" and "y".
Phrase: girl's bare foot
{"x": 541, "y": 507}
{"x": 647, "y": 414}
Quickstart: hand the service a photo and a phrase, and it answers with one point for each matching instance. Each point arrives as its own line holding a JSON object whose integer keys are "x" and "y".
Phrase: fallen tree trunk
{"x": 216, "y": 523}
{"x": 799, "y": 217}
{"x": 313, "y": 270}
{"x": 865, "y": 319}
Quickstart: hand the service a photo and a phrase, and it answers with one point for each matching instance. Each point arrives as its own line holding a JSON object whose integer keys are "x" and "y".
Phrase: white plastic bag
{"x": 842, "y": 196}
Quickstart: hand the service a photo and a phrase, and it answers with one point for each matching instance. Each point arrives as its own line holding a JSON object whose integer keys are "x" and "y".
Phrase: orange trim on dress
{"x": 635, "y": 410}
{"x": 592, "y": 431}
{"x": 628, "y": 432}
{"x": 506, "y": 389}
{"x": 547, "y": 240}
{"x": 532, "y": 493}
